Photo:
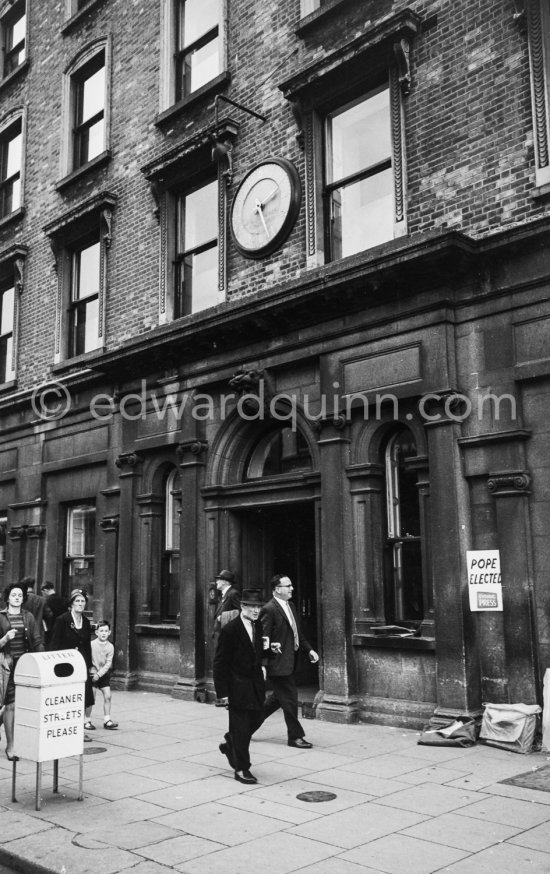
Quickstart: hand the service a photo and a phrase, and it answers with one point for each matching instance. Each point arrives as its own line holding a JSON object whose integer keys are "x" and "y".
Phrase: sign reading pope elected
{"x": 484, "y": 580}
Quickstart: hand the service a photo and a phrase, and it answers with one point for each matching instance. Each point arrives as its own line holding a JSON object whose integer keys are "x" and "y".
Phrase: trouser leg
{"x": 287, "y": 697}
{"x": 241, "y": 723}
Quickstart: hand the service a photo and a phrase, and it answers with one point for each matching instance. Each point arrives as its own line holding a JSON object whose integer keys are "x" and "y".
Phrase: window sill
{"x": 378, "y": 642}
{"x": 7, "y": 386}
{"x": 320, "y": 15}
{"x": 7, "y": 80}
{"x": 75, "y": 175}
{"x": 12, "y": 217}
{"x": 218, "y": 84}
{"x": 69, "y": 363}
{"x": 157, "y": 630}
{"x": 542, "y": 192}
{"x": 75, "y": 19}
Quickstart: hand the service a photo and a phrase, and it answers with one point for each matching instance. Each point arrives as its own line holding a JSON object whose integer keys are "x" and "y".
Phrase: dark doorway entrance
{"x": 277, "y": 540}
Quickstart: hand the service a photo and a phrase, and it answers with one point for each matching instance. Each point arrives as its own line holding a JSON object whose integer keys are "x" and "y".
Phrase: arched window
{"x": 404, "y": 589}
{"x": 169, "y": 600}
{"x": 278, "y": 452}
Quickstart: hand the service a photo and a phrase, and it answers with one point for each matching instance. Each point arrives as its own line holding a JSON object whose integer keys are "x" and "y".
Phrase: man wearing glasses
{"x": 281, "y": 626}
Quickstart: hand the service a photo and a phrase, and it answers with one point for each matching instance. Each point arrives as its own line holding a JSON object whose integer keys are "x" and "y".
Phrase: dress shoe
{"x": 226, "y": 751}
{"x": 300, "y": 743}
{"x": 245, "y": 777}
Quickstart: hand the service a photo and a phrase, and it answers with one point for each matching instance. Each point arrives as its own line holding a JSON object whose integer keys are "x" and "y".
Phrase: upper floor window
{"x": 196, "y": 249}
{"x": 14, "y": 32}
{"x": 84, "y": 304}
{"x": 7, "y": 370}
{"x": 89, "y": 111}
{"x": 359, "y": 179}
{"x": 538, "y": 20}
{"x": 198, "y": 48}
{"x": 11, "y": 142}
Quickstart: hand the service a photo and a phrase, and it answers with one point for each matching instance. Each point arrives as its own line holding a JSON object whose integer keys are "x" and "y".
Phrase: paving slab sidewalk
{"x": 159, "y": 798}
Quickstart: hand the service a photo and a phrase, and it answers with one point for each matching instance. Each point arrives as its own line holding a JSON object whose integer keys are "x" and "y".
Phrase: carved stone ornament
{"x": 255, "y": 388}
{"x": 128, "y": 459}
{"x": 17, "y": 532}
{"x": 513, "y": 482}
{"x": 194, "y": 447}
{"x": 109, "y": 523}
{"x": 36, "y": 531}
{"x": 402, "y": 52}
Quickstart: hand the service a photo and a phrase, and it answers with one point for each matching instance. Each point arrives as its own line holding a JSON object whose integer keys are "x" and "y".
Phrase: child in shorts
{"x": 102, "y": 664}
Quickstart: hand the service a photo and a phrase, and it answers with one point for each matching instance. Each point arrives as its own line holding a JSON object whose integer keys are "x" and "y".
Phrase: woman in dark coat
{"x": 72, "y": 630}
{"x": 19, "y": 633}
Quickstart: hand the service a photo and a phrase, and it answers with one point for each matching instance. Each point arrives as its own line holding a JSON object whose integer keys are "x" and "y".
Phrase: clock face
{"x": 265, "y": 207}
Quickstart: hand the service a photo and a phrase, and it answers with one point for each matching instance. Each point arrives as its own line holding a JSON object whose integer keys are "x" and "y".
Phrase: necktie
{"x": 294, "y": 627}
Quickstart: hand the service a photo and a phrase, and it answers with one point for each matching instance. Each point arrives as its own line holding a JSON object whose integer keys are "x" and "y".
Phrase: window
{"x": 198, "y": 49}
{"x": 538, "y": 20}
{"x": 197, "y": 250}
{"x": 80, "y": 241}
{"x": 7, "y": 365}
{"x": 359, "y": 189}
{"x": 84, "y": 307}
{"x": 89, "y": 111}
{"x": 278, "y": 452}
{"x": 79, "y": 548}
{"x": 14, "y": 27}
{"x": 10, "y": 167}
{"x": 404, "y": 595}
{"x": 169, "y": 601}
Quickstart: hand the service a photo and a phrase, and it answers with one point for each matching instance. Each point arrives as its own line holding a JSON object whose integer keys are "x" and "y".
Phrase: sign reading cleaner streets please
{"x": 484, "y": 579}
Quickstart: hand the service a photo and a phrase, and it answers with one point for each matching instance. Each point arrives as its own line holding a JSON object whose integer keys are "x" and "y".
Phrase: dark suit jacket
{"x": 230, "y": 601}
{"x": 277, "y": 627}
{"x": 238, "y": 666}
{"x": 66, "y": 636}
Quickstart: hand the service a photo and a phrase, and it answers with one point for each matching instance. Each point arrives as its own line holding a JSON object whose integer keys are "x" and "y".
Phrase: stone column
{"x": 129, "y": 465}
{"x": 339, "y": 702}
{"x": 511, "y": 490}
{"x": 457, "y": 659}
{"x": 191, "y": 684}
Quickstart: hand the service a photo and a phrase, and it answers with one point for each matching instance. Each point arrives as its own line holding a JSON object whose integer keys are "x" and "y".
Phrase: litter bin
{"x": 49, "y": 712}
{"x": 49, "y": 705}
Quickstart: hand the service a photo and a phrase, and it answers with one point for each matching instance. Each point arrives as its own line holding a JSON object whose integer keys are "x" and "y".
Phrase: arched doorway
{"x": 267, "y": 500}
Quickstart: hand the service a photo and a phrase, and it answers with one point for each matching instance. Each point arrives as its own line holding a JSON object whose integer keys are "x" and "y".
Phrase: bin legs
{"x": 55, "y": 775}
{"x": 38, "y": 792}
{"x": 13, "y": 779}
{"x": 80, "y": 777}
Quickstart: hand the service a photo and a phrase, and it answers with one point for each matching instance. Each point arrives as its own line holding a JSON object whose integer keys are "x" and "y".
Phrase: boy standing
{"x": 102, "y": 663}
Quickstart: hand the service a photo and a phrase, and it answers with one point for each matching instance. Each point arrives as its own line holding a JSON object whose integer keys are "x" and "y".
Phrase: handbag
{"x": 457, "y": 733}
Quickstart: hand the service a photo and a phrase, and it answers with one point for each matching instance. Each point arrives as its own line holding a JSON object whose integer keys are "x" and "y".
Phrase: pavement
{"x": 159, "y": 798}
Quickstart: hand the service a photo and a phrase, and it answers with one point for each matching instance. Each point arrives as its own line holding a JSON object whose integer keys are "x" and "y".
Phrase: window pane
{"x": 201, "y": 216}
{"x": 16, "y": 34}
{"x": 6, "y": 352}
{"x": 6, "y": 319}
{"x": 91, "y": 340}
{"x": 201, "y": 66}
{"x": 95, "y": 140}
{"x": 87, "y": 272}
{"x": 93, "y": 95}
{"x": 199, "y": 16}
{"x": 362, "y": 214}
{"x": 204, "y": 283}
{"x": 15, "y": 195}
{"x": 359, "y": 136}
{"x": 81, "y": 531}
{"x": 13, "y": 158}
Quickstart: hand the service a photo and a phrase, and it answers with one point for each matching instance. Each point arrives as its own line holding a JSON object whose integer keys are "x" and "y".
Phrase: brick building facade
{"x": 274, "y": 297}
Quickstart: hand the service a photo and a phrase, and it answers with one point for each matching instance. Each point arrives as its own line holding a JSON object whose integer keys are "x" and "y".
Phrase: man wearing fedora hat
{"x": 227, "y": 608}
{"x": 239, "y": 681}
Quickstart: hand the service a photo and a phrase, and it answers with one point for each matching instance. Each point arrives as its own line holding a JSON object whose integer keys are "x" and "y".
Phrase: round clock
{"x": 265, "y": 207}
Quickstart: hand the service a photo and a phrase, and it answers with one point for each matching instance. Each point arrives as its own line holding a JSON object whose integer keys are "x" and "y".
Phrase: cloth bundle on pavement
{"x": 509, "y": 726}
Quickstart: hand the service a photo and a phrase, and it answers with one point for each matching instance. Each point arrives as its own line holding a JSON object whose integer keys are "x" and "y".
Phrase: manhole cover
{"x": 539, "y": 779}
{"x": 316, "y": 795}
{"x": 93, "y": 751}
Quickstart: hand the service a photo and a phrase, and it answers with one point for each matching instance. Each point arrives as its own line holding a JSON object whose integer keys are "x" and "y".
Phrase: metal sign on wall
{"x": 484, "y": 579}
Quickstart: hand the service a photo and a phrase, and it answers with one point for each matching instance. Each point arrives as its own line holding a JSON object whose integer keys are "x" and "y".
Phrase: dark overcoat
{"x": 238, "y": 666}
{"x": 277, "y": 627}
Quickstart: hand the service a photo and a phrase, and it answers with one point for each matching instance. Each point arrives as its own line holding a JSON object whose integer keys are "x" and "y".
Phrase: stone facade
{"x": 276, "y": 430}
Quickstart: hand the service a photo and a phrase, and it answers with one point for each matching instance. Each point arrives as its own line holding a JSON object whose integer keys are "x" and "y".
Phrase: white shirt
{"x": 291, "y": 620}
{"x": 248, "y": 625}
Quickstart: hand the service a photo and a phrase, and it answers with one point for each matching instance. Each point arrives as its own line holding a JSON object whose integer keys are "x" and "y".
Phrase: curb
{"x": 23, "y": 866}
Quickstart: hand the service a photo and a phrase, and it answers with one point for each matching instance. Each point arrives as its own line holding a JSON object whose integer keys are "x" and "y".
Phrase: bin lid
{"x": 62, "y": 667}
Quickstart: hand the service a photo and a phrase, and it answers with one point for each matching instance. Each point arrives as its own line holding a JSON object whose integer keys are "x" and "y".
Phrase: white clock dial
{"x": 265, "y": 207}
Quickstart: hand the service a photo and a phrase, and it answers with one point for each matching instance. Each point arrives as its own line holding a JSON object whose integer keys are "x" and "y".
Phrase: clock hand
{"x": 258, "y": 209}
{"x": 269, "y": 196}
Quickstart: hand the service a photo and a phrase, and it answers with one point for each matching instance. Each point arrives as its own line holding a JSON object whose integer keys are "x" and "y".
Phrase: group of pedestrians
{"x": 30, "y": 623}
{"x": 262, "y": 641}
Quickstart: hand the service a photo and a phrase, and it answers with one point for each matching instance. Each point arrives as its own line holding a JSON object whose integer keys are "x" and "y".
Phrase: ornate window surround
{"x": 12, "y": 261}
{"x": 538, "y": 29}
{"x": 170, "y": 173}
{"x": 384, "y": 46}
{"x": 6, "y": 121}
{"x": 63, "y": 232}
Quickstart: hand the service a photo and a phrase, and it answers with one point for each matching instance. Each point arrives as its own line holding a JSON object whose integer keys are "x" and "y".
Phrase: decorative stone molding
{"x": 17, "y": 532}
{"x": 435, "y": 409}
{"x": 36, "y": 531}
{"x": 193, "y": 447}
{"x": 110, "y": 523}
{"x": 128, "y": 460}
{"x": 256, "y": 390}
{"x": 538, "y": 21}
{"x": 402, "y": 52}
{"x": 506, "y": 483}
